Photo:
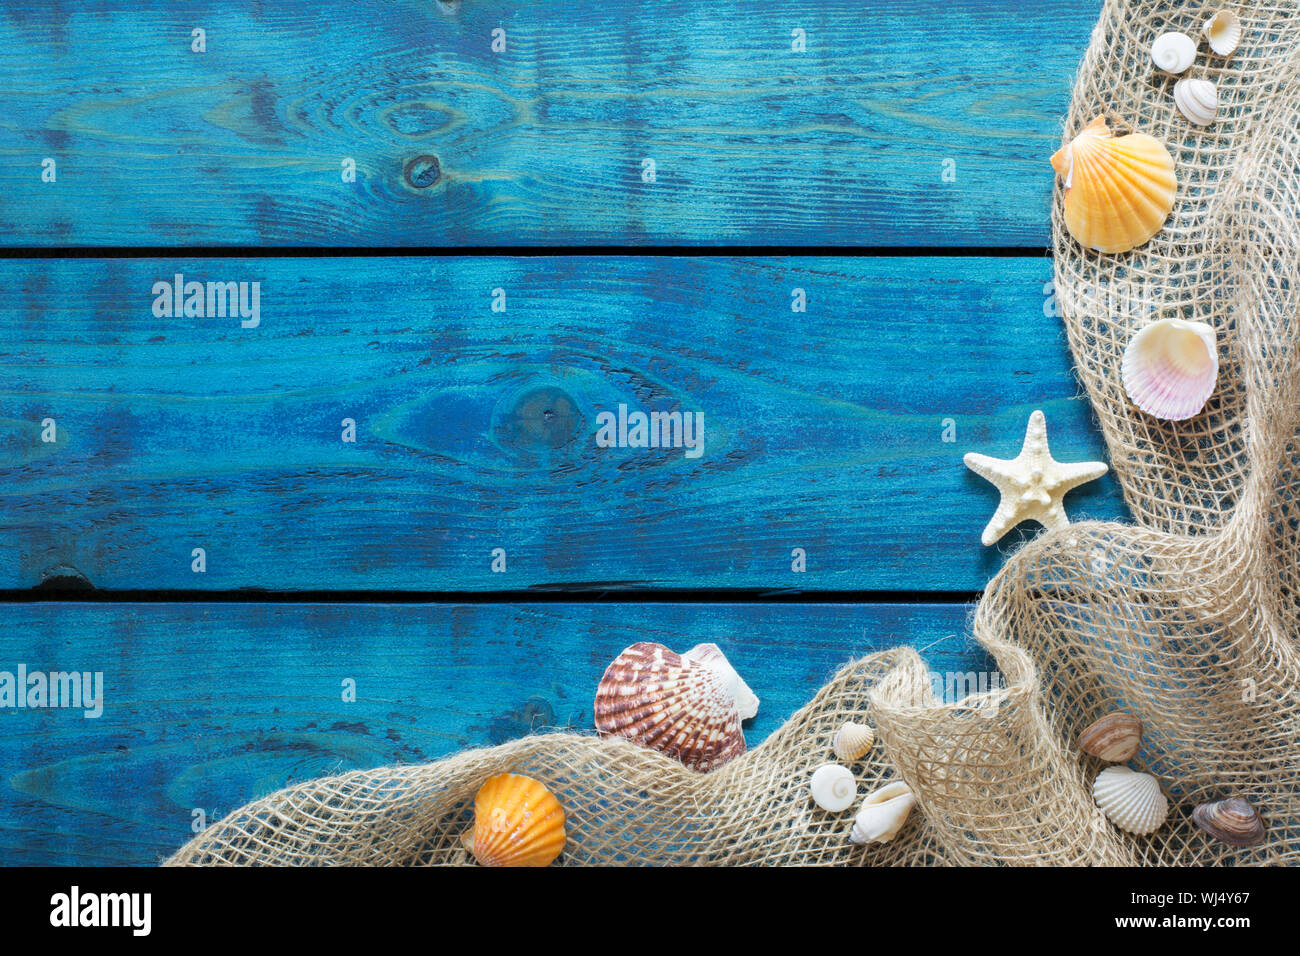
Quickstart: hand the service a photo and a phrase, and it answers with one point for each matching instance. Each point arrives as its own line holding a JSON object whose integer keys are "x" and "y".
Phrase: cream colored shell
{"x": 1223, "y": 31}
{"x": 833, "y": 788}
{"x": 711, "y": 656}
{"x": 1131, "y": 800}
{"x": 1173, "y": 52}
{"x": 883, "y": 814}
{"x": 852, "y": 741}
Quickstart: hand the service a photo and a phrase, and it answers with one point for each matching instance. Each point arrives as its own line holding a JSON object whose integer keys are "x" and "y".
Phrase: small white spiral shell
{"x": 833, "y": 788}
{"x": 1173, "y": 52}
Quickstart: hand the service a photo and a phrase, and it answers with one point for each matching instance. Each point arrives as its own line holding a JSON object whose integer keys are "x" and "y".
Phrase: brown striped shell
{"x": 1234, "y": 821}
{"x": 686, "y": 706}
{"x": 1115, "y": 738}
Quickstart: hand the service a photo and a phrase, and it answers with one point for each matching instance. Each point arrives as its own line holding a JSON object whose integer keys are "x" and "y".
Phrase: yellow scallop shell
{"x": 517, "y": 822}
{"x": 1118, "y": 189}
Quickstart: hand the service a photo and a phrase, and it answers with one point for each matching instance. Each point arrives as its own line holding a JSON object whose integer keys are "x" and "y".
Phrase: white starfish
{"x": 1032, "y": 484}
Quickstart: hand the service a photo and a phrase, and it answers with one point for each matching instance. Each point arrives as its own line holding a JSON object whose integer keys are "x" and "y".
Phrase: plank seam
{"x": 648, "y": 251}
{"x": 542, "y": 594}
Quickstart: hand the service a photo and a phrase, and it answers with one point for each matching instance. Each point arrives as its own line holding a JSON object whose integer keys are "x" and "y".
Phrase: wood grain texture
{"x": 210, "y": 705}
{"x": 543, "y": 143}
{"x": 476, "y": 430}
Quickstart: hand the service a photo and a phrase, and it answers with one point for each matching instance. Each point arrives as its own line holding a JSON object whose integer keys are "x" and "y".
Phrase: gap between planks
{"x": 620, "y": 251}
{"x": 562, "y": 594}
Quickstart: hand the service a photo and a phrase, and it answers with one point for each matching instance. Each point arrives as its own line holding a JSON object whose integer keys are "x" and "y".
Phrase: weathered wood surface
{"x": 207, "y": 706}
{"x": 543, "y": 143}
{"x": 476, "y": 430}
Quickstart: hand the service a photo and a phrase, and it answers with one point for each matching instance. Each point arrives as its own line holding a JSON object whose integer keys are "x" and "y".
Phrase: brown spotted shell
{"x": 1114, "y": 738}
{"x": 1234, "y": 821}
{"x": 686, "y": 706}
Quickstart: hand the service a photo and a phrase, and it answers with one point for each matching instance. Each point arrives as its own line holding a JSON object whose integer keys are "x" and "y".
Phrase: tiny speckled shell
{"x": 686, "y": 708}
{"x": 517, "y": 822}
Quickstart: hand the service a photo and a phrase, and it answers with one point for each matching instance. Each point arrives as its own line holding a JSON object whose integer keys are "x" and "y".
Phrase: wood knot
{"x": 423, "y": 171}
{"x": 540, "y": 419}
{"x": 534, "y": 714}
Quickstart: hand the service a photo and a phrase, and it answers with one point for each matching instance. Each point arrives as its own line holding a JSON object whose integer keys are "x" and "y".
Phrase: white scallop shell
{"x": 711, "y": 656}
{"x": 833, "y": 787}
{"x": 1198, "y": 100}
{"x": 1173, "y": 52}
{"x": 1170, "y": 368}
{"x": 1132, "y": 801}
{"x": 883, "y": 814}
{"x": 1223, "y": 30}
{"x": 852, "y": 741}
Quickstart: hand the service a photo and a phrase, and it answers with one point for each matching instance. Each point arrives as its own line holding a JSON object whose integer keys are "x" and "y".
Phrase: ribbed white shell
{"x": 1170, "y": 368}
{"x": 1198, "y": 100}
{"x": 1132, "y": 801}
{"x": 711, "y": 656}
{"x": 1173, "y": 52}
{"x": 1223, "y": 30}
{"x": 852, "y": 741}
{"x": 833, "y": 787}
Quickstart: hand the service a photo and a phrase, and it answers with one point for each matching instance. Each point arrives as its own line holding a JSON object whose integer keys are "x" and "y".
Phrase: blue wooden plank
{"x": 908, "y": 122}
{"x": 825, "y": 430}
{"x": 207, "y": 706}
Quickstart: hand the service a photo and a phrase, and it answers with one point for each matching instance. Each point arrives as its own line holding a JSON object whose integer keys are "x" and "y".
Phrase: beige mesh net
{"x": 1188, "y": 619}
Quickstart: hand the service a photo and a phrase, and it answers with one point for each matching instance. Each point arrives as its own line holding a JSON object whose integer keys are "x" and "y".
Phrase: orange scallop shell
{"x": 1119, "y": 190}
{"x": 517, "y": 822}
{"x": 688, "y": 707}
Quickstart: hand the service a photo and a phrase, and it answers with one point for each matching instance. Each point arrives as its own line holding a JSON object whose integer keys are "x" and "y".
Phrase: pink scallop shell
{"x": 1170, "y": 368}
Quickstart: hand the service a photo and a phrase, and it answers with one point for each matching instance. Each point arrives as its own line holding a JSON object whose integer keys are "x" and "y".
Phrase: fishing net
{"x": 1188, "y": 619}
